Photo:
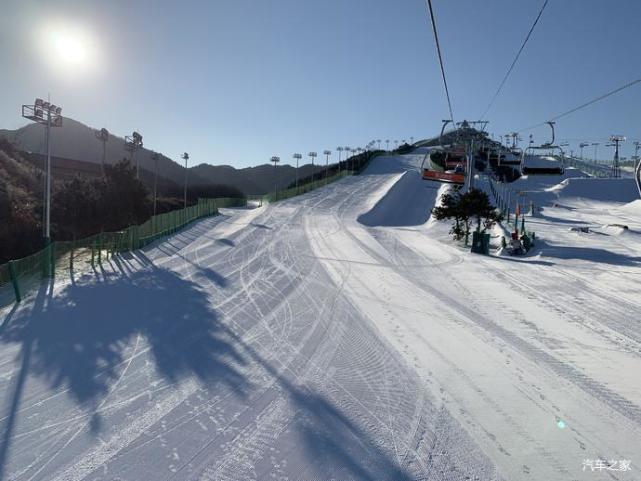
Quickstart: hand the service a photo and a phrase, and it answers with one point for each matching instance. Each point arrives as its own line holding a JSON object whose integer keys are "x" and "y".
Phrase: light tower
{"x": 103, "y": 136}
{"x": 378, "y": 141}
{"x": 132, "y": 144}
{"x": 387, "y": 142}
{"x": 327, "y": 153}
{"x": 185, "y": 157}
{"x": 297, "y": 157}
{"x": 155, "y": 156}
{"x": 347, "y": 161}
{"x": 275, "y": 159}
{"x": 312, "y": 155}
{"x": 49, "y": 115}
{"x": 340, "y": 151}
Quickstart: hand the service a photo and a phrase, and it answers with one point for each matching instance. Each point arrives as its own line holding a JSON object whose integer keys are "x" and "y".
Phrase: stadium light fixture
{"x": 49, "y": 115}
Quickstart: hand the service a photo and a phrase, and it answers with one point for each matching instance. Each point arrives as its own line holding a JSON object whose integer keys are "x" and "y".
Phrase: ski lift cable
{"x": 509, "y": 70}
{"x": 586, "y": 104}
{"x": 440, "y": 58}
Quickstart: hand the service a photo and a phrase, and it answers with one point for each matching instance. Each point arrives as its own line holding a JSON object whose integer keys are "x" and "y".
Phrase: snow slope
{"x": 333, "y": 336}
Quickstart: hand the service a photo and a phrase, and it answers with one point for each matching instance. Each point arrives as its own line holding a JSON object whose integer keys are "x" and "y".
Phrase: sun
{"x": 69, "y": 49}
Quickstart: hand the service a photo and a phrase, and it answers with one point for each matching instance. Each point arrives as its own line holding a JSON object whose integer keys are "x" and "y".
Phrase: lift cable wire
{"x": 509, "y": 70}
{"x": 587, "y": 104}
{"x": 440, "y": 58}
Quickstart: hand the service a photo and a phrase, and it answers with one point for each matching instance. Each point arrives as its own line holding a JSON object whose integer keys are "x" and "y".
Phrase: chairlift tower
{"x": 616, "y": 140}
{"x": 49, "y": 115}
{"x": 581, "y": 146}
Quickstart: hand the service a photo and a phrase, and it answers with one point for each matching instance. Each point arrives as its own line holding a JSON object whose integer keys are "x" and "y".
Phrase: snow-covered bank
{"x": 337, "y": 335}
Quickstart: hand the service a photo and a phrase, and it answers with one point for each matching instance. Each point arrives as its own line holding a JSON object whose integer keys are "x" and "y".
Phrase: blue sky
{"x": 237, "y": 81}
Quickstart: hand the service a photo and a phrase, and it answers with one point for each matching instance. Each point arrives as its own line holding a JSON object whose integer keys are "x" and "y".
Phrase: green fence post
{"x": 14, "y": 281}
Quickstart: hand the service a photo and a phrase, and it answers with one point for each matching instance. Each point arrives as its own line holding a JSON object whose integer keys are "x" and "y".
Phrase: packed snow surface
{"x": 338, "y": 335}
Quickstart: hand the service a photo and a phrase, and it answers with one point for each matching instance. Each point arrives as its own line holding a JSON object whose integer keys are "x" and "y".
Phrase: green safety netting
{"x": 61, "y": 258}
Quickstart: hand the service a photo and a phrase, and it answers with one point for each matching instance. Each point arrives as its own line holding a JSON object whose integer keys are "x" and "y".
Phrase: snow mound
{"x": 604, "y": 190}
{"x": 633, "y": 207}
{"x": 408, "y": 202}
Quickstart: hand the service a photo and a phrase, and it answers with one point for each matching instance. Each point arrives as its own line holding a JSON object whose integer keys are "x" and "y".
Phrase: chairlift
{"x": 445, "y": 164}
{"x": 545, "y": 159}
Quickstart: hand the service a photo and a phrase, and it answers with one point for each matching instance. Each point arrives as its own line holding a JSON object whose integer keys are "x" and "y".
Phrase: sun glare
{"x": 69, "y": 49}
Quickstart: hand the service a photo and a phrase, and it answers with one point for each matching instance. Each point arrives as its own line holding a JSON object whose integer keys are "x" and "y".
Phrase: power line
{"x": 509, "y": 70}
{"x": 440, "y": 58}
{"x": 587, "y": 104}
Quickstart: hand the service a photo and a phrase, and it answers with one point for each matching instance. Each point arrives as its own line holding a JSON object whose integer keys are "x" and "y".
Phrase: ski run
{"x": 340, "y": 335}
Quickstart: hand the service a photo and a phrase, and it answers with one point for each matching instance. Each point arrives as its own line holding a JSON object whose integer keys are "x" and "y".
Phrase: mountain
{"x": 75, "y": 141}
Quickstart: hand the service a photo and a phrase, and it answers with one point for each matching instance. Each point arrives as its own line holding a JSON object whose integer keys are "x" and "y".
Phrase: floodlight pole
{"x": 297, "y": 157}
{"x": 48, "y": 217}
{"x": 185, "y": 156}
{"x": 49, "y": 115}
{"x": 596, "y": 146}
{"x": 615, "y": 167}
{"x": 155, "y": 157}
{"x": 275, "y": 159}
{"x": 327, "y": 154}
{"x": 103, "y": 135}
{"x": 387, "y": 142}
{"x": 312, "y": 155}
{"x": 340, "y": 151}
{"x": 347, "y": 161}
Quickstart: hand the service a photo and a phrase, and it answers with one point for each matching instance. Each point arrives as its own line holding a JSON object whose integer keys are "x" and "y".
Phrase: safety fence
{"x": 302, "y": 189}
{"x": 64, "y": 258}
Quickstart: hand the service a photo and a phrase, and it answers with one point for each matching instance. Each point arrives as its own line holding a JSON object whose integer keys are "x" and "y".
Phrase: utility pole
{"x": 185, "y": 157}
{"x": 297, "y": 157}
{"x": 327, "y": 153}
{"x": 103, "y": 136}
{"x": 49, "y": 115}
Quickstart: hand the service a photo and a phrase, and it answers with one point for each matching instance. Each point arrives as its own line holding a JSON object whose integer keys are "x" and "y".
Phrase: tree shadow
{"x": 81, "y": 339}
{"x": 592, "y": 254}
{"x": 338, "y": 446}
